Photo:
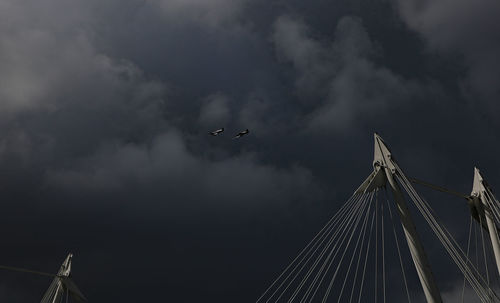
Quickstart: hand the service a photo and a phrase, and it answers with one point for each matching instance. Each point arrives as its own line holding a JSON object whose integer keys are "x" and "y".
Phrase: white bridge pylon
{"x": 355, "y": 235}
{"x": 384, "y": 170}
{"x": 62, "y": 285}
{"x": 485, "y": 207}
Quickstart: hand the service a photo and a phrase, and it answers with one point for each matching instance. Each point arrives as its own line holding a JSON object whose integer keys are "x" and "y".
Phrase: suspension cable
{"x": 338, "y": 266}
{"x": 314, "y": 244}
{"x": 438, "y": 188}
{"x": 376, "y": 250}
{"x": 477, "y": 246}
{"x": 362, "y": 232}
{"x": 316, "y": 283}
{"x": 468, "y": 247}
{"x": 27, "y": 271}
{"x": 342, "y": 257}
{"x": 397, "y": 246}
{"x": 366, "y": 259}
{"x": 447, "y": 240}
{"x": 383, "y": 248}
{"x": 343, "y": 235}
{"x": 359, "y": 259}
{"x": 444, "y": 236}
{"x": 484, "y": 251}
{"x": 324, "y": 231}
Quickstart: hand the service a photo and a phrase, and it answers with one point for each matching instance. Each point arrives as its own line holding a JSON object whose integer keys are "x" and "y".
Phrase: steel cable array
{"x": 357, "y": 231}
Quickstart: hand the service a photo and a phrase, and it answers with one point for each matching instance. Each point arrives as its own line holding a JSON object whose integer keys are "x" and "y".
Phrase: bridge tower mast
{"x": 63, "y": 285}
{"x": 482, "y": 200}
{"x": 384, "y": 170}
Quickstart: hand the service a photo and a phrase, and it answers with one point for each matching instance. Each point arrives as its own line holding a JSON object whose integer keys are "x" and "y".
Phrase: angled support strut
{"x": 481, "y": 201}
{"x": 383, "y": 174}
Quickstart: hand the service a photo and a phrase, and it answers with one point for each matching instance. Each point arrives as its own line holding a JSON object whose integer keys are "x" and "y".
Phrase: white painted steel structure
{"x": 484, "y": 200}
{"x": 306, "y": 278}
{"x": 62, "y": 285}
{"x": 384, "y": 161}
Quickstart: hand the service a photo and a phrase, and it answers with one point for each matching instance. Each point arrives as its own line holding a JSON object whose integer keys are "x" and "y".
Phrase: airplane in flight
{"x": 217, "y": 132}
{"x": 241, "y": 134}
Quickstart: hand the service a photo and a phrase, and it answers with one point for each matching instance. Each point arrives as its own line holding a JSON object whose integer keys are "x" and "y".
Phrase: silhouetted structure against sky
{"x": 105, "y": 108}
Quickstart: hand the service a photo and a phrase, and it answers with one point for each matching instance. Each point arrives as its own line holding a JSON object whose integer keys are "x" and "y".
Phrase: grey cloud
{"x": 361, "y": 92}
{"x": 207, "y": 12}
{"x": 466, "y": 27}
{"x": 242, "y": 181}
{"x": 103, "y": 115}
{"x": 85, "y": 131}
{"x": 106, "y": 116}
{"x": 344, "y": 75}
{"x": 214, "y": 111}
{"x": 62, "y": 97}
{"x": 293, "y": 42}
{"x": 255, "y": 116}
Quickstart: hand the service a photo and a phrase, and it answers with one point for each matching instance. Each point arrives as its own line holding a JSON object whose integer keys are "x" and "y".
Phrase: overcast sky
{"x": 105, "y": 108}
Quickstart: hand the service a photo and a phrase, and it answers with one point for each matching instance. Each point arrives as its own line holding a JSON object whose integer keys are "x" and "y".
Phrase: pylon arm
{"x": 384, "y": 162}
{"x": 481, "y": 202}
{"x": 73, "y": 289}
{"x": 375, "y": 180}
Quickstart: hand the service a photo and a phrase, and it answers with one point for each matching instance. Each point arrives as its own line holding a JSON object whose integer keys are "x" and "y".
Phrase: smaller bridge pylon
{"x": 352, "y": 246}
{"x": 486, "y": 210}
{"x": 62, "y": 285}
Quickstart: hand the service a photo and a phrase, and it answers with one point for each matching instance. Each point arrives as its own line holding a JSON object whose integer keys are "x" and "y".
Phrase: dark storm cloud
{"x": 215, "y": 112}
{"x": 77, "y": 120}
{"x": 212, "y": 13}
{"x": 79, "y": 100}
{"x": 469, "y": 28}
{"x": 168, "y": 167}
{"x": 105, "y": 109}
{"x": 350, "y": 86}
